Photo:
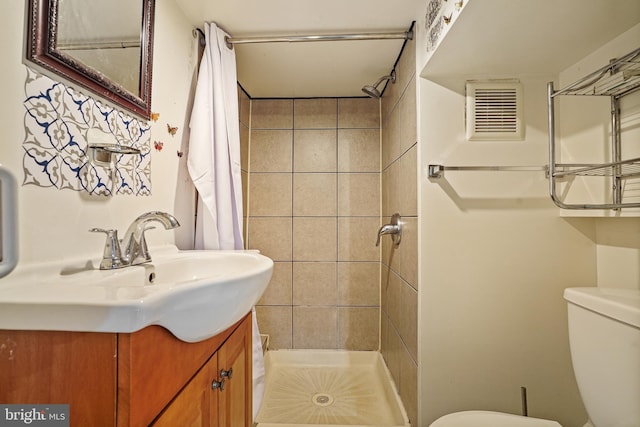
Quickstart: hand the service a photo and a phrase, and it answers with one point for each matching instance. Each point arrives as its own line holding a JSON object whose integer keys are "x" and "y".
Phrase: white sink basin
{"x": 193, "y": 294}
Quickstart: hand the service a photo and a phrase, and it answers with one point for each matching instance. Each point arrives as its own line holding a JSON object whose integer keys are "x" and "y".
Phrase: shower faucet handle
{"x": 395, "y": 229}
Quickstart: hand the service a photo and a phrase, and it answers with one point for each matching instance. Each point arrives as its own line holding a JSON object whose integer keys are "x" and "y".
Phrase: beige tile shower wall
{"x": 244, "y": 110}
{"x": 314, "y": 208}
{"x": 399, "y": 265}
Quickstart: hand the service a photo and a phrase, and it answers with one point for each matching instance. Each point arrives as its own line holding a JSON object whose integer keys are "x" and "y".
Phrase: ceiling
{"x": 544, "y": 36}
{"x": 312, "y": 69}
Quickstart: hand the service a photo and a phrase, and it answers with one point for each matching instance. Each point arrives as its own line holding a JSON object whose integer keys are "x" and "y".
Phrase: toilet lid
{"x": 490, "y": 419}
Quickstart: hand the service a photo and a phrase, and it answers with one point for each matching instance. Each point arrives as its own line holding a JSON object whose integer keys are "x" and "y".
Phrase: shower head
{"x": 373, "y": 91}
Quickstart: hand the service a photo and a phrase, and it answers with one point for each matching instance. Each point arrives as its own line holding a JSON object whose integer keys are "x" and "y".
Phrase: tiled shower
{"x": 322, "y": 175}
{"x": 314, "y": 208}
{"x": 399, "y": 278}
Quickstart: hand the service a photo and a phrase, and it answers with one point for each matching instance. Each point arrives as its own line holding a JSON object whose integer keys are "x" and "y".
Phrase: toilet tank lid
{"x": 619, "y": 304}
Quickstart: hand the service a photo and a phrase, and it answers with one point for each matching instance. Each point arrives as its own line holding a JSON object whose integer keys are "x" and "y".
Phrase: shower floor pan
{"x": 329, "y": 388}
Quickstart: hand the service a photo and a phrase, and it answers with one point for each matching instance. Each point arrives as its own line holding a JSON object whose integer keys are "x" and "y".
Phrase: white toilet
{"x": 490, "y": 419}
{"x": 604, "y": 335}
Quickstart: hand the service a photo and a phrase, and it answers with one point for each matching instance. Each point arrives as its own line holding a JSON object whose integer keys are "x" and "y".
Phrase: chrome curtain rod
{"x": 404, "y": 35}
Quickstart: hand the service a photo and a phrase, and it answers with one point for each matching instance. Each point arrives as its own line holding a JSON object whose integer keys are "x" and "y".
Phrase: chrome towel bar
{"x": 436, "y": 171}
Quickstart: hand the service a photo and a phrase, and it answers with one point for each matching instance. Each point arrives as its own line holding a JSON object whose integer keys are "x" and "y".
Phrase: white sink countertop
{"x": 193, "y": 294}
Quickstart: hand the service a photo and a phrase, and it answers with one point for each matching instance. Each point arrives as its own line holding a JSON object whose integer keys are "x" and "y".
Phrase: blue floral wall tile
{"x": 58, "y": 123}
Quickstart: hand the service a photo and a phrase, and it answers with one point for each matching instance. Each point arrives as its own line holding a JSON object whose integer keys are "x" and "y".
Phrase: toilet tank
{"x": 604, "y": 334}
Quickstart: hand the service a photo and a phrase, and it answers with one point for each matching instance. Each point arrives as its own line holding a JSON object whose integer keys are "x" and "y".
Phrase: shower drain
{"x": 322, "y": 399}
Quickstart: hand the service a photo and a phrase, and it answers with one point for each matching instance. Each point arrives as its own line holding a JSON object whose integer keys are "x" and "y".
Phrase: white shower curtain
{"x": 214, "y": 164}
{"x": 214, "y": 147}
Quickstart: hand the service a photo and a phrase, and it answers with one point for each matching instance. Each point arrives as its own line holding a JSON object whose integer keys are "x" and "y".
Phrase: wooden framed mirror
{"x": 103, "y": 46}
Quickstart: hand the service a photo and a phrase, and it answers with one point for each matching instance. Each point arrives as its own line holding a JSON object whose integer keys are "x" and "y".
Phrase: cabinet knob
{"x": 226, "y": 374}
{"x": 218, "y": 385}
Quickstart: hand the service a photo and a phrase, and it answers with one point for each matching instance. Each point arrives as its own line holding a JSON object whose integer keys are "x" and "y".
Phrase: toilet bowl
{"x": 490, "y": 419}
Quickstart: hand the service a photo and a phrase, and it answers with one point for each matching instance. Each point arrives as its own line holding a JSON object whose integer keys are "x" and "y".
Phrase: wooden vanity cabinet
{"x": 220, "y": 394}
{"x": 235, "y": 402}
{"x": 53, "y": 367}
{"x": 144, "y": 378}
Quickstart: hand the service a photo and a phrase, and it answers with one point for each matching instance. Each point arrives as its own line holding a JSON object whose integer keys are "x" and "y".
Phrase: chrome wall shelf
{"x": 619, "y": 78}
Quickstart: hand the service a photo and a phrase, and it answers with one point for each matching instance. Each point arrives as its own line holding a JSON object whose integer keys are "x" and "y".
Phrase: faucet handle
{"x": 111, "y": 257}
{"x": 395, "y": 229}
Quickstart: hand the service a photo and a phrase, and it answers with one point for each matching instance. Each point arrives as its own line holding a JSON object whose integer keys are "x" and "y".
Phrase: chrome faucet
{"x": 132, "y": 249}
{"x": 135, "y": 249}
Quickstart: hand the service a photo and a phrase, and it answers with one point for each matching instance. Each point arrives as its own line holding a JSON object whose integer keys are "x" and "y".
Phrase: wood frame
{"x": 40, "y": 50}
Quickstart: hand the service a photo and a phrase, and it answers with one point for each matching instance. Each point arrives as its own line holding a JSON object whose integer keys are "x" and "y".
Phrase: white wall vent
{"x": 494, "y": 111}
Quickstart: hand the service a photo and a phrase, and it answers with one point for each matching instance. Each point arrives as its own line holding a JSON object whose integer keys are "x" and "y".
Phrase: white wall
{"x": 54, "y": 223}
{"x": 618, "y": 252}
{"x": 495, "y": 258}
{"x": 496, "y": 254}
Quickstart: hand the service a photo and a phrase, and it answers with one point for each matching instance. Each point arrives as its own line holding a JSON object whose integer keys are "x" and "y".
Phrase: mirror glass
{"x": 105, "y": 46}
{"x": 104, "y": 35}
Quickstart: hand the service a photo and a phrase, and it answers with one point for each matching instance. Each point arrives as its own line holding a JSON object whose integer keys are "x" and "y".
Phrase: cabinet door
{"x": 153, "y": 366}
{"x": 191, "y": 407}
{"x": 219, "y": 395}
{"x": 55, "y": 367}
{"x": 234, "y": 366}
